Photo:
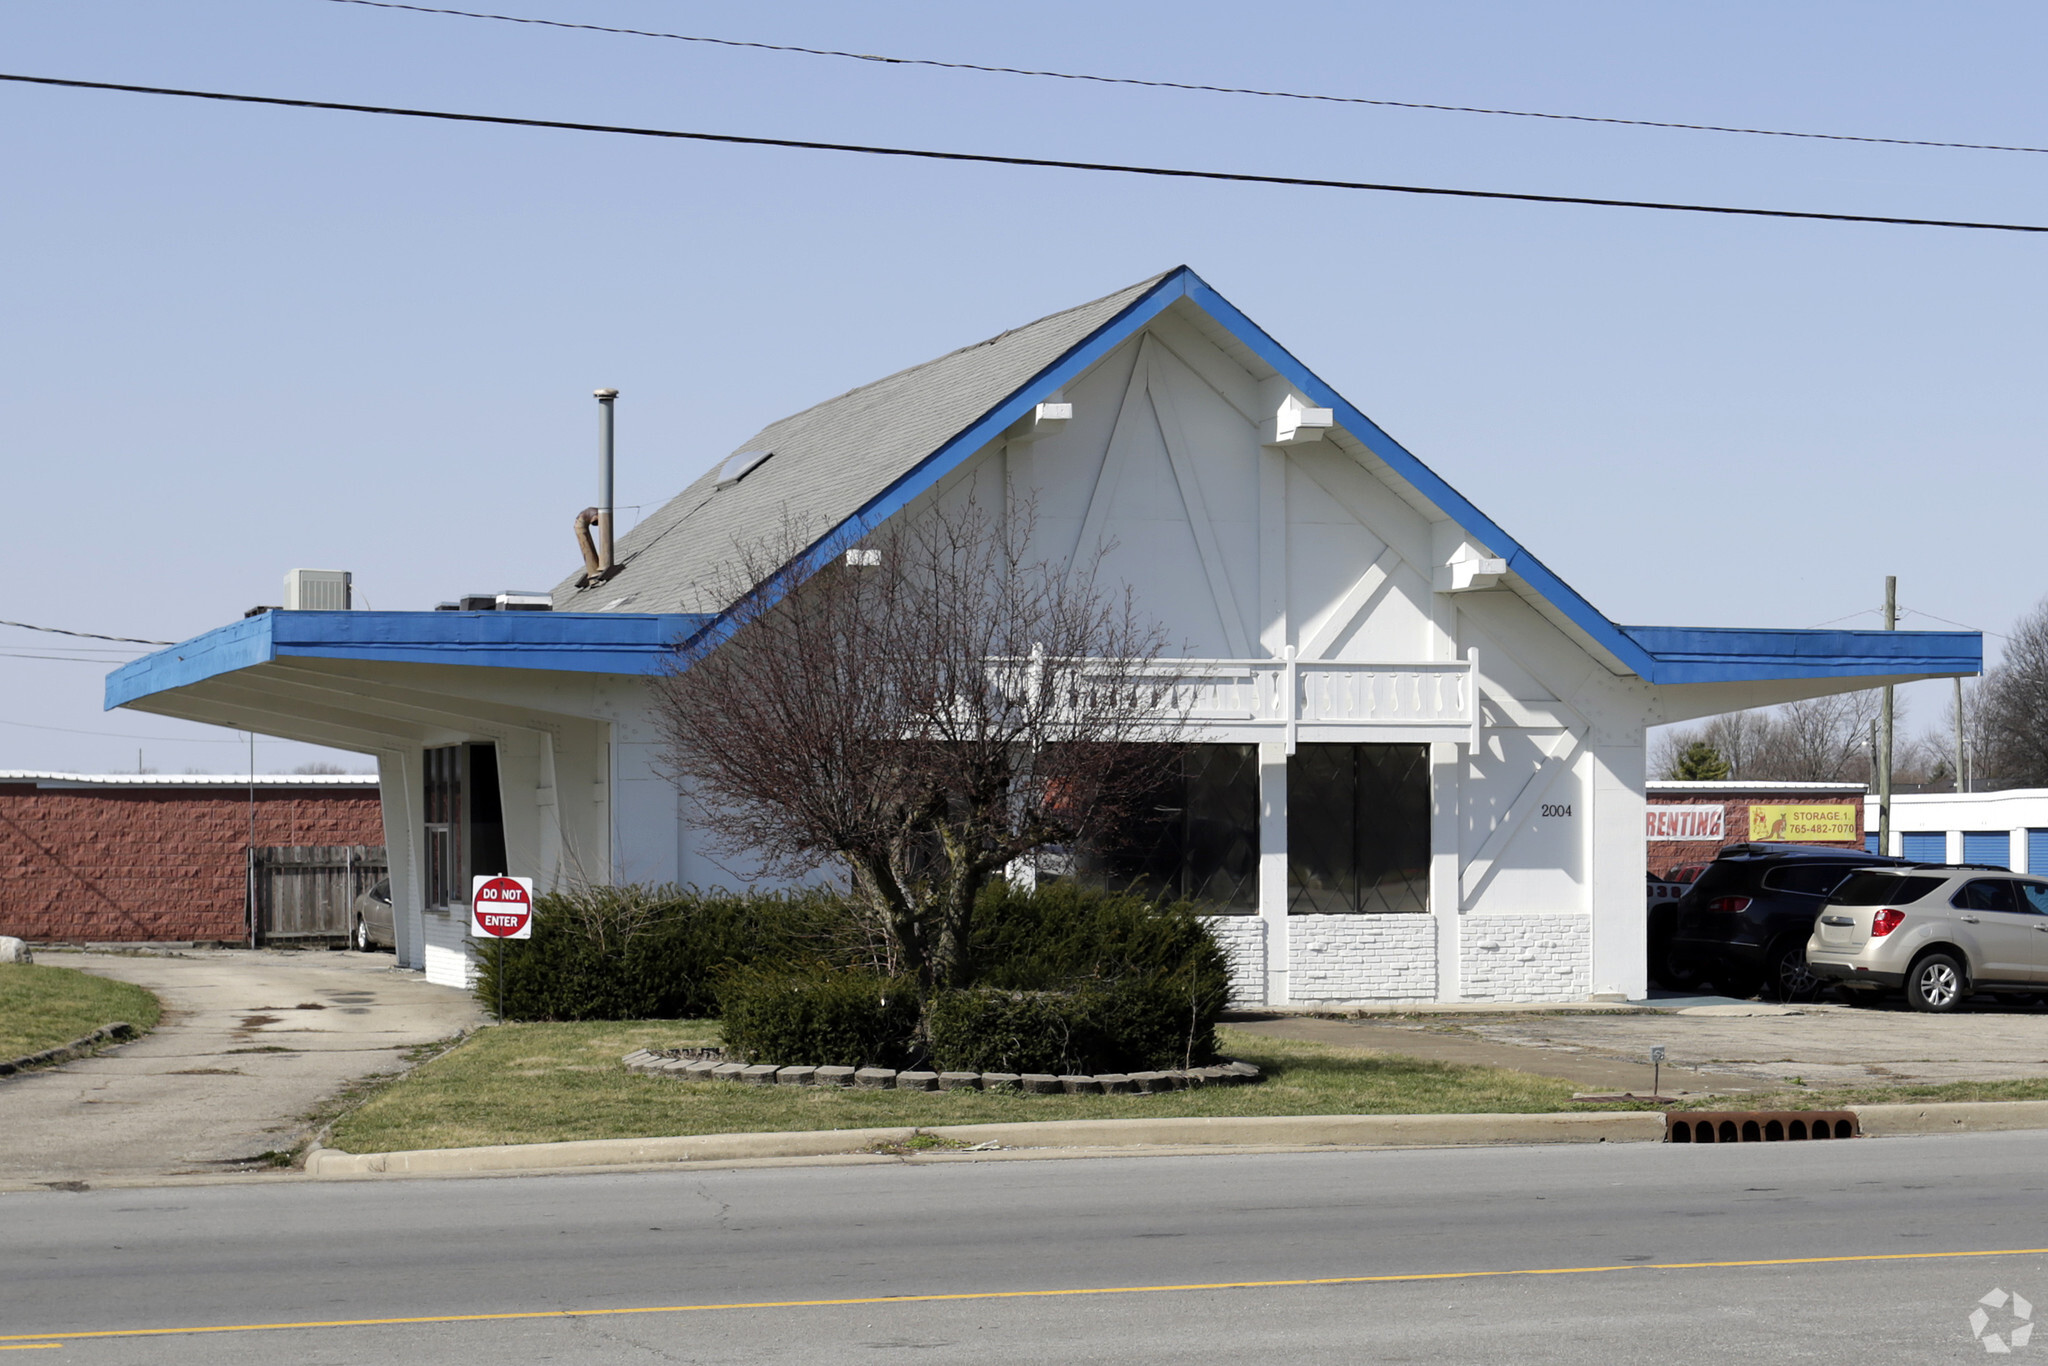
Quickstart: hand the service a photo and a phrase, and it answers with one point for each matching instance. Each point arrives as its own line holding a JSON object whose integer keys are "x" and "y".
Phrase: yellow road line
{"x": 45, "y": 1338}
{"x": 28, "y": 1346}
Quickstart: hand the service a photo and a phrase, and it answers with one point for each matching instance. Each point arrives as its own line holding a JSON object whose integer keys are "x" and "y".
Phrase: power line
{"x": 1184, "y": 85}
{"x": 991, "y": 159}
{"x": 86, "y": 635}
{"x": 61, "y": 659}
{"x": 129, "y": 735}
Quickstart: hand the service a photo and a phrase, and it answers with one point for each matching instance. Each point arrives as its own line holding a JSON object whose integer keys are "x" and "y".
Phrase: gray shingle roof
{"x": 829, "y": 462}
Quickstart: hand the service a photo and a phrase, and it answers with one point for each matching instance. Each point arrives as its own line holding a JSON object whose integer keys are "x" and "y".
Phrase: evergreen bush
{"x": 820, "y": 1015}
{"x": 638, "y": 953}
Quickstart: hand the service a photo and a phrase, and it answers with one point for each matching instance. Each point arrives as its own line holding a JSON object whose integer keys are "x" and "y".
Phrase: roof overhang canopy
{"x": 373, "y": 681}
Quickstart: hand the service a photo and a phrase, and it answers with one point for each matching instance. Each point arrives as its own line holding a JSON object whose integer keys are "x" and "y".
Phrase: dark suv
{"x": 1744, "y": 924}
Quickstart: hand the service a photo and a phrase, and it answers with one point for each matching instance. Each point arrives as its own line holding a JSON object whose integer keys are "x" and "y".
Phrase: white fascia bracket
{"x": 1294, "y": 423}
{"x": 1046, "y": 419}
{"x": 1469, "y": 568}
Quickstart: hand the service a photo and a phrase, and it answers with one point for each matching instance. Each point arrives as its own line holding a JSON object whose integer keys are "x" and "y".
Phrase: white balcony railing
{"x": 1439, "y": 698}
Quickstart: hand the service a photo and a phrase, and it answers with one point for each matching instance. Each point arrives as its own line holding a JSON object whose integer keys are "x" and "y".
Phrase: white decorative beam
{"x": 1469, "y": 568}
{"x": 1045, "y": 419}
{"x": 1294, "y": 423}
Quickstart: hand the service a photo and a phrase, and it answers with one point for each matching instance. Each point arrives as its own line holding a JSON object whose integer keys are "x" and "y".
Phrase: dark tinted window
{"x": 1358, "y": 829}
{"x": 1986, "y": 894}
{"x": 1883, "y": 889}
{"x": 1194, "y": 837}
{"x": 2033, "y": 897}
{"x": 1808, "y": 879}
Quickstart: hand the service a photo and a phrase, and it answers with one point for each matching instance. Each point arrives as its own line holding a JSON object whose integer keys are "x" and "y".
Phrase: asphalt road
{"x": 1062, "y": 1261}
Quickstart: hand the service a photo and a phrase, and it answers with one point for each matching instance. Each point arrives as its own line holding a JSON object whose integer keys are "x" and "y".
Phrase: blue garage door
{"x": 1924, "y": 846}
{"x": 1991, "y": 847}
{"x": 2037, "y": 851}
{"x": 1870, "y": 842}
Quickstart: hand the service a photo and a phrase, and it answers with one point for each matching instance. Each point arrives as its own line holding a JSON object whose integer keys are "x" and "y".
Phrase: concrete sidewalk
{"x": 250, "y": 1042}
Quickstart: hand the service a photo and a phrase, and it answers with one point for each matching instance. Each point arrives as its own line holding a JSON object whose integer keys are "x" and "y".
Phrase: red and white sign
{"x": 501, "y": 908}
{"x": 1688, "y": 822}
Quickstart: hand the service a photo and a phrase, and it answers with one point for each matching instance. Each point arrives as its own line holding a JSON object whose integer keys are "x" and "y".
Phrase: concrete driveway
{"x": 251, "y": 1041}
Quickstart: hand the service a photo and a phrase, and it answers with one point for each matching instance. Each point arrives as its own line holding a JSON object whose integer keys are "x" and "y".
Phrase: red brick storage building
{"x": 1688, "y": 823}
{"x": 91, "y": 858}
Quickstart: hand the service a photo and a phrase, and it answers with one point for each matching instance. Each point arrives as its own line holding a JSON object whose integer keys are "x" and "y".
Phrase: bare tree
{"x": 924, "y": 709}
{"x": 1821, "y": 739}
{"x": 2010, "y": 728}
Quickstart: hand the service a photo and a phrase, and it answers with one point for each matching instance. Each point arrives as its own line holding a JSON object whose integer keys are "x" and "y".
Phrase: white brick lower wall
{"x": 1243, "y": 941}
{"x": 1361, "y": 958}
{"x": 451, "y": 962}
{"x": 1526, "y": 957}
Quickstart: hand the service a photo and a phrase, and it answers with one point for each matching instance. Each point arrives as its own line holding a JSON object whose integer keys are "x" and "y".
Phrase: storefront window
{"x": 1196, "y": 838}
{"x": 1358, "y": 829}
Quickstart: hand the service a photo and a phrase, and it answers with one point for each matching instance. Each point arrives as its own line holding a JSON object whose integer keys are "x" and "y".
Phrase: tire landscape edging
{"x": 890, "y": 1079}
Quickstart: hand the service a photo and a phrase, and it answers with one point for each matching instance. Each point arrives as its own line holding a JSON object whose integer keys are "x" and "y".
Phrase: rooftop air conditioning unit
{"x": 317, "y": 590}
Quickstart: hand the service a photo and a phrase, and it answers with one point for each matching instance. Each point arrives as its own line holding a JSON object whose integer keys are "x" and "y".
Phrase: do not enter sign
{"x": 501, "y": 908}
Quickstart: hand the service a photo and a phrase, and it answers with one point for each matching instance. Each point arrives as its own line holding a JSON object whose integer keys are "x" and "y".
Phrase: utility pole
{"x": 1884, "y": 732}
{"x": 1962, "y": 783}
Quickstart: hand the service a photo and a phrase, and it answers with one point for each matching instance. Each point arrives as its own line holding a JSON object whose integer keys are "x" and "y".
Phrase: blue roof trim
{"x": 1655, "y": 654}
{"x": 927, "y": 472}
{"x": 574, "y": 642}
{"x": 1704, "y": 654}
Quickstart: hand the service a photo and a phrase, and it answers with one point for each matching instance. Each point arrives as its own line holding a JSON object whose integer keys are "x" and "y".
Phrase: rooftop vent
{"x": 317, "y": 590}
{"x": 500, "y": 602}
{"x": 737, "y": 466}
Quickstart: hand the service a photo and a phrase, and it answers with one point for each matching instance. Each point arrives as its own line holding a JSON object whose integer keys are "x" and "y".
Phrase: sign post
{"x": 500, "y": 908}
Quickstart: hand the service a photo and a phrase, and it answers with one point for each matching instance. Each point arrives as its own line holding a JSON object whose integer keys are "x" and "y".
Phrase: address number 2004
{"x": 1557, "y": 809}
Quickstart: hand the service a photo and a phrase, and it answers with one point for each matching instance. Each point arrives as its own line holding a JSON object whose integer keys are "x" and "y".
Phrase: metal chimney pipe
{"x": 605, "y": 564}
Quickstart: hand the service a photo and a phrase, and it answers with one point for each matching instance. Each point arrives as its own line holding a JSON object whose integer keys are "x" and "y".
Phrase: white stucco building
{"x": 1421, "y": 774}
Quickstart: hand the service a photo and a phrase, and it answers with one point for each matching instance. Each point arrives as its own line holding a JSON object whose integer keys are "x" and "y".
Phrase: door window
{"x": 2033, "y": 897}
{"x": 1986, "y": 894}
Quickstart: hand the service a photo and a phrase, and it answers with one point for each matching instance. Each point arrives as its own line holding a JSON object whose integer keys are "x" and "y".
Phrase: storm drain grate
{"x": 1759, "y": 1126}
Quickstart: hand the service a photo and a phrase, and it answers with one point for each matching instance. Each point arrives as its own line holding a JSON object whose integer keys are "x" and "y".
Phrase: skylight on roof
{"x": 737, "y": 466}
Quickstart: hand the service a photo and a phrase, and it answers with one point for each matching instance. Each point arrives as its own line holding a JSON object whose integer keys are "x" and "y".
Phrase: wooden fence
{"x": 300, "y": 893}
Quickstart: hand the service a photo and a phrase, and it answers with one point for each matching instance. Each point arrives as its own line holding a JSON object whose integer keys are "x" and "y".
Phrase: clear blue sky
{"x": 242, "y": 339}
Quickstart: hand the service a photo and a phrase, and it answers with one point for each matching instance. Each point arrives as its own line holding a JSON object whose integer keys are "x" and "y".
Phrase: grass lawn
{"x": 544, "y": 1083}
{"x": 44, "y": 1007}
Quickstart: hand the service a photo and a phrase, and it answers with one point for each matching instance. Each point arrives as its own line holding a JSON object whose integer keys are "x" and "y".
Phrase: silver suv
{"x": 1940, "y": 932}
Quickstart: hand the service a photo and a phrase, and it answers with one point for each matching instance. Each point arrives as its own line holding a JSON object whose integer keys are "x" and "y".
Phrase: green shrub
{"x": 819, "y": 1014}
{"x": 1144, "y": 981}
{"x": 1113, "y": 1027}
{"x": 639, "y": 953}
{"x": 1062, "y": 935}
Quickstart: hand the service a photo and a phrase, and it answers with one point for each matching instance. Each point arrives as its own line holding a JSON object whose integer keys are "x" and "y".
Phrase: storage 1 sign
{"x": 501, "y": 908}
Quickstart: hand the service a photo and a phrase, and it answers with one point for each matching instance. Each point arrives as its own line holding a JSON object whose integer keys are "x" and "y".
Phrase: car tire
{"x": 359, "y": 938}
{"x": 1786, "y": 976}
{"x": 1936, "y": 984}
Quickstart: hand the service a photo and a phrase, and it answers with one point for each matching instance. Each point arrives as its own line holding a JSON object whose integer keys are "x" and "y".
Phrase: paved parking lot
{"x": 250, "y": 1042}
{"x": 1819, "y": 1044}
{"x": 1724, "y": 1047}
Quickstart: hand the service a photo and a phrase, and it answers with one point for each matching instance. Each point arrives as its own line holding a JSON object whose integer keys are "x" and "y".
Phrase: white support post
{"x": 1446, "y": 772}
{"x": 1273, "y": 866}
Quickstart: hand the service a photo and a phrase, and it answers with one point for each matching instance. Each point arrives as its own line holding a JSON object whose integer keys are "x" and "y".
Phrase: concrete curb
{"x": 120, "y": 1031}
{"x": 1951, "y": 1117}
{"x": 1260, "y": 1131}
